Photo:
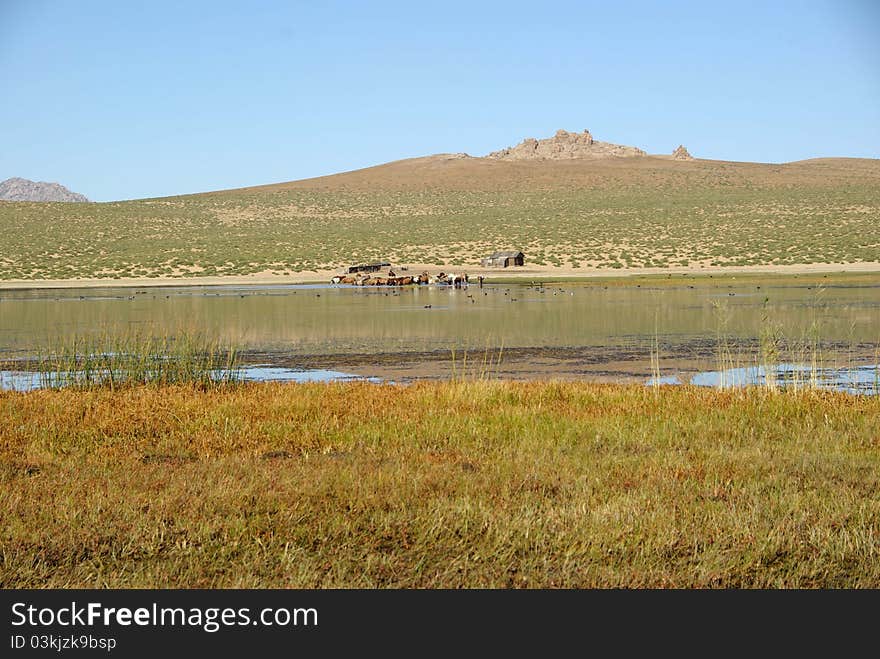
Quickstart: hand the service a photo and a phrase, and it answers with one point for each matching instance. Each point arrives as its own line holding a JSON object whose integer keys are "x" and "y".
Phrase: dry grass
{"x": 456, "y": 484}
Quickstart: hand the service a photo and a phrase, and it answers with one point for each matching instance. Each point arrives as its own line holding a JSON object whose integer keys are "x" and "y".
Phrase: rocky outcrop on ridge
{"x": 681, "y": 153}
{"x": 21, "y": 189}
{"x": 565, "y": 146}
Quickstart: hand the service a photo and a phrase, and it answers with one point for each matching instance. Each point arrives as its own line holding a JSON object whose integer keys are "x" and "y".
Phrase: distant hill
{"x": 560, "y": 161}
{"x": 21, "y": 189}
{"x": 572, "y": 204}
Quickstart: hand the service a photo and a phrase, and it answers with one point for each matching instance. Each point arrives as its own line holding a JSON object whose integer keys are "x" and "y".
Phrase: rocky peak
{"x": 681, "y": 153}
{"x": 21, "y": 189}
{"x": 564, "y": 146}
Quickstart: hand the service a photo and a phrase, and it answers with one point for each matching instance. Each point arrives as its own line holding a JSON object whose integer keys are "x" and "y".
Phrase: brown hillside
{"x": 459, "y": 172}
{"x": 569, "y": 215}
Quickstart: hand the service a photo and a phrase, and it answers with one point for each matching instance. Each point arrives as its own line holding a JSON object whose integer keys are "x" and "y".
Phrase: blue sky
{"x": 121, "y": 100}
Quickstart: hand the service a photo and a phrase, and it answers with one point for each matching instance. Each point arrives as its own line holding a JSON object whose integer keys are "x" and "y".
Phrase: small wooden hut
{"x": 504, "y": 259}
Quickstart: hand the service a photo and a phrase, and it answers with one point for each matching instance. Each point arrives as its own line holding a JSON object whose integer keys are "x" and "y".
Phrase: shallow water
{"x": 863, "y": 379}
{"x": 29, "y": 380}
{"x": 584, "y": 329}
{"x": 276, "y": 374}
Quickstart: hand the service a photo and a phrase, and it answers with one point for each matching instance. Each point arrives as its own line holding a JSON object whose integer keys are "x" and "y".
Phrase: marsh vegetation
{"x": 454, "y": 484}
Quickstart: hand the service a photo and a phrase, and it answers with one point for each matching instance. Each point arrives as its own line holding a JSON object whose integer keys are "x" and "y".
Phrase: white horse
{"x": 458, "y": 281}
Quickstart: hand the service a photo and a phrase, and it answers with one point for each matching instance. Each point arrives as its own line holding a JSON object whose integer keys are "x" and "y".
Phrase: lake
{"x": 591, "y": 330}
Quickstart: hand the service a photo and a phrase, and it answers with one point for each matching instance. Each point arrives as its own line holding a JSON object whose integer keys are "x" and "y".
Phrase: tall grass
{"x": 770, "y": 339}
{"x": 115, "y": 360}
{"x": 438, "y": 485}
{"x": 485, "y": 368}
{"x": 723, "y": 350}
{"x": 655, "y": 357}
{"x": 782, "y": 360}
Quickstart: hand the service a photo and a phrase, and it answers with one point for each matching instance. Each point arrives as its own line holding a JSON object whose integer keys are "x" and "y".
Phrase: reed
{"x": 770, "y": 341}
{"x": 784, "y": 359}
{"x": 723, "y": 350}
{"x": 486, "y": 368}
{"x": 655, "y": 357}
{"x": 117, "y": 360}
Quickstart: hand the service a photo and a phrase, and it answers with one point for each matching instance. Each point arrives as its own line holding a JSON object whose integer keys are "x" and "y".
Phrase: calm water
{"x": 854, "y": 380}
{"x": 280, "y": 325}
{"x": 29, "y": 380}
{"x": 346, "y": 320}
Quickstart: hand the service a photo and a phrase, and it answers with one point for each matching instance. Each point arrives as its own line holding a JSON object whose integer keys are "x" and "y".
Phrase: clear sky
{"x": 121, "y": 100}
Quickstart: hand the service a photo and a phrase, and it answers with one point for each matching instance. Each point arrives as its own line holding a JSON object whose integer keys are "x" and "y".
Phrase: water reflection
{"x": 266, "y": 373}
{"x": 322, "y": 319}
{"x": 855, "y": 380}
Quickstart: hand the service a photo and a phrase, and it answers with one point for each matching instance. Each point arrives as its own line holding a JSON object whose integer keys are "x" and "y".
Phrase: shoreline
{"x": 525, "y": 273}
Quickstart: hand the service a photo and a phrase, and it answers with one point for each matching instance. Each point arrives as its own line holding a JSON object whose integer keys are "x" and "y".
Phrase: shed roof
{"x": 506, "y": 254}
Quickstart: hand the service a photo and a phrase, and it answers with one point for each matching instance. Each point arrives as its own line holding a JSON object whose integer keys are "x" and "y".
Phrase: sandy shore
{"x": 526, "y": 272}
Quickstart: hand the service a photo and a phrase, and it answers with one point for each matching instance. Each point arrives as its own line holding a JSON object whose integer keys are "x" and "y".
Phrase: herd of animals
{"x": 392, "y": 279}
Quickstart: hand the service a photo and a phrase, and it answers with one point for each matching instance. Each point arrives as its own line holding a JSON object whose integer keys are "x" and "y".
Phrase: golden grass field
{"x": 613, "y": 215}
{"x": 455, "y": 484}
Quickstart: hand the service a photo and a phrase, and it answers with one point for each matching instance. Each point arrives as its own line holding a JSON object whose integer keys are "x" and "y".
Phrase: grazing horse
{"x": 456, "y": 280}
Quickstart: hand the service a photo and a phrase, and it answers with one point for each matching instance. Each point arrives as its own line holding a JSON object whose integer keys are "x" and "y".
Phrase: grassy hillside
{"x": 447, "y": 210}
{"x": 457, "y": 484}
